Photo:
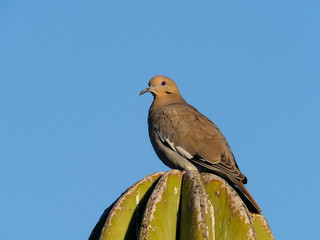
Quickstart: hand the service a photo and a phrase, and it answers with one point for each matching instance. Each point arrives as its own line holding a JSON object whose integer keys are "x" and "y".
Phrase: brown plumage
{"x": 185, "y": 139}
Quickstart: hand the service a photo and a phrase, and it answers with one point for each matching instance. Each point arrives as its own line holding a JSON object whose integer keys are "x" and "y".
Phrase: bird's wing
{"x": 192, "y": 135}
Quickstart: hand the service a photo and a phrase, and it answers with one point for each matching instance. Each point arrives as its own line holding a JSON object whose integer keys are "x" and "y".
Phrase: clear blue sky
{"x": 73, "y": 130}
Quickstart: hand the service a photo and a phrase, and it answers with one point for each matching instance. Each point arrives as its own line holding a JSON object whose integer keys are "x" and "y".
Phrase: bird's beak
{"x": 144, "y": 91}
{"x": 149, "y": 89}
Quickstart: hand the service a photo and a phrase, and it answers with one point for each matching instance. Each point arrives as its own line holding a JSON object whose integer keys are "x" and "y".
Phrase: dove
{"x": 185, "y": 139}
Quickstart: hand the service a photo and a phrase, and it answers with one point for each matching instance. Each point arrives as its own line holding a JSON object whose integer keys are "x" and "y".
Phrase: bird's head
{"x": 161, "y": 86}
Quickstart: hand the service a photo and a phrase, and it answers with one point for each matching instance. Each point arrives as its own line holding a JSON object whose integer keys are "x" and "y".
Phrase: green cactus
{"x": 174, "y": 205}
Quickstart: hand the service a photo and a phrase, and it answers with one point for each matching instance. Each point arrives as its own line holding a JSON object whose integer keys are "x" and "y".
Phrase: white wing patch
{"x": 177, "y": 149}
{"x": 159, "y": 134}
{"x": 183, "y": 152}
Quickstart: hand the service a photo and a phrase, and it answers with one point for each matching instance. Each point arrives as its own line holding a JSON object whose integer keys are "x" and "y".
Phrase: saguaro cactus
{"x": 174, "y": 205}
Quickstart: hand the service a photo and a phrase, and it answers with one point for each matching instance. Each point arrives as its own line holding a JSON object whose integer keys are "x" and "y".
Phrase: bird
{"x": 185, "y": 139}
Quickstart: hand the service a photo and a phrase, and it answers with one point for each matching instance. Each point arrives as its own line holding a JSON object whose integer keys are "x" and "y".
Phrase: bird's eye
{"x": 163, "y": 83}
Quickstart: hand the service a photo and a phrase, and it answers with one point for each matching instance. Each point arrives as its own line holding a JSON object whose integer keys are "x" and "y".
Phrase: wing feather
{"x": 196, "y": 138}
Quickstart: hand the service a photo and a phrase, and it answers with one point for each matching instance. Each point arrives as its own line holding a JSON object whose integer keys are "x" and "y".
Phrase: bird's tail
{"x": 246, "y": 197}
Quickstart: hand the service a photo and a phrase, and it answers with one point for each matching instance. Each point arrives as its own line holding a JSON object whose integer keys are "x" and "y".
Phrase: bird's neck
{"x": 160, "y": 102}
